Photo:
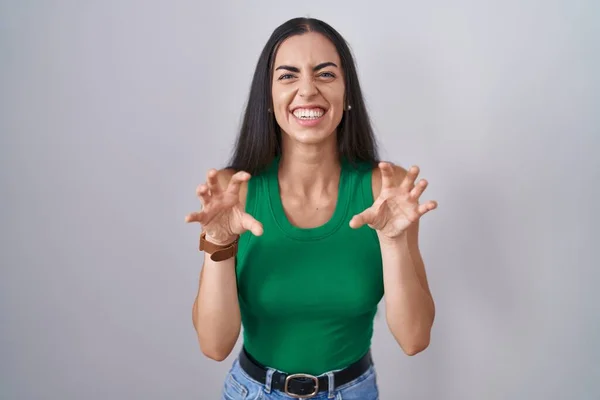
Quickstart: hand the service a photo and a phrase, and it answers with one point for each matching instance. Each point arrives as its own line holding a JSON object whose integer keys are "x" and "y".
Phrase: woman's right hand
{"x": 222, "y": 215}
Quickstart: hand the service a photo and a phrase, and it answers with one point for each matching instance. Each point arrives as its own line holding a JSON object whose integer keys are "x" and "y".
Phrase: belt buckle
{"x": 301, "y": 396}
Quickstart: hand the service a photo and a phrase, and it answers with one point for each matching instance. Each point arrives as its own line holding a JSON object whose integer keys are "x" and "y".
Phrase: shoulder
{"x": 399, "y": 174}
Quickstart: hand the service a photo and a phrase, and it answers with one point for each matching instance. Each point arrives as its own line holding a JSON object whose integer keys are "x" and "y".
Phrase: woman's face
{"x": 308, "y": 88}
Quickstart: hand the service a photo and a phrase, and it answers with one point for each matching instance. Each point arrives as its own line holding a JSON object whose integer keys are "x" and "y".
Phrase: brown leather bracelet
{"x": 218, "y": 252}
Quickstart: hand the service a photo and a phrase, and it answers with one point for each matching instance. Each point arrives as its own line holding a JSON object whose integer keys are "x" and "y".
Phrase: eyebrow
{"x": 316, "y": 68}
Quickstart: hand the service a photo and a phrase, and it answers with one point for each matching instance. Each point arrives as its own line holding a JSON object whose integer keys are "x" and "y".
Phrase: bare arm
{"x": 410, "y": 309}
{"x": 395, "y": 216}
{"x": 216, "y": 313}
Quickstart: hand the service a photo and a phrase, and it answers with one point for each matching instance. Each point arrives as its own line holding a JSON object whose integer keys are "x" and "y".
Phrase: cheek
{"x": 336, "y": 100}
{"x": 281, "y": 101}
{"x": 335, "y": 95}
{"x": 280, "y": 107}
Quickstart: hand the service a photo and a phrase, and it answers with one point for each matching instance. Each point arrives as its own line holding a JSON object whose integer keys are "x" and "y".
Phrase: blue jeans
{"x": 239, "y": 386}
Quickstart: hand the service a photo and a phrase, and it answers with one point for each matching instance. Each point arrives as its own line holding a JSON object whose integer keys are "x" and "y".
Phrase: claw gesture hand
{"x": 397, "y": 206}
{"x": 221, "y": 215}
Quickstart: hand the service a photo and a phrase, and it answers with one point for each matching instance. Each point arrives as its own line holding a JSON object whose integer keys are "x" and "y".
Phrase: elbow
{"x": 415, "y": 347}
{"x": 412, "y": 342}
{"x": 215, "y": 353}
{"x": 217, "y": 348}
{"x": 413, "y": 337}
{"x": 216, "y": 345}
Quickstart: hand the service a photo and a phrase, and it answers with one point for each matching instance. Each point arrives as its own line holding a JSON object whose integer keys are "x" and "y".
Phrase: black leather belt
{"x": 303, "y": 386}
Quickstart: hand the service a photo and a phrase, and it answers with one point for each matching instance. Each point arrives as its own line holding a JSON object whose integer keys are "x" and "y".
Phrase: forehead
{"x": 310, "y": 48}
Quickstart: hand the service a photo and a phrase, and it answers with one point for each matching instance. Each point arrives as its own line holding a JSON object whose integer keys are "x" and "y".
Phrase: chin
{"x": 305, "y": 140}
{"x": 311, "y": 136}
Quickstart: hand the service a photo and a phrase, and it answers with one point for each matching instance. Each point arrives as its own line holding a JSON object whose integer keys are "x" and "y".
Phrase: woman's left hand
{"x": 397, "y": 206}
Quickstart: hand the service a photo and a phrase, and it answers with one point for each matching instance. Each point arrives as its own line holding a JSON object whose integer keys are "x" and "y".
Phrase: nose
{"x": 307, "y": 87}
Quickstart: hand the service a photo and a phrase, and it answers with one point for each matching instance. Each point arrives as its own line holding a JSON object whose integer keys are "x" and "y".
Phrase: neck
{"x": 309, "y": 170}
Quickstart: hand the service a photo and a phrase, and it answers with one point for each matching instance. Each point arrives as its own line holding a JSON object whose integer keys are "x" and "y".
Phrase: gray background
{"x": 113, "y": 111}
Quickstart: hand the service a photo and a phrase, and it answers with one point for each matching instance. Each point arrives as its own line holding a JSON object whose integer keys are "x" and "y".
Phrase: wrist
{"x": 219, "y": 251}
{"x": 221, "y": 240}
{"x": 398, "y": 240}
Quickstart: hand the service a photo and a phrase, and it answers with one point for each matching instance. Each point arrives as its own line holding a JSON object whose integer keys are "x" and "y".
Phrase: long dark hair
{"x": 259, "y": 139}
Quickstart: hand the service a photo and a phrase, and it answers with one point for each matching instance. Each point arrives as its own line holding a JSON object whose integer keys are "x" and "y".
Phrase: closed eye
{"x": 327, "y": 75}
{"x": 286, "y": 76}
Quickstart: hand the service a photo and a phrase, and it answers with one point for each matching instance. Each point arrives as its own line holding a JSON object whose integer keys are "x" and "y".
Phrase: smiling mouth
{"x": 308, "y": 113}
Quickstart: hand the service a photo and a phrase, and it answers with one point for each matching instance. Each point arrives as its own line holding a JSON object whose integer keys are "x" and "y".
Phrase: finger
{"x": 387, "y": 175}
{"x": 213, "y": 182}
{"x": 409, "y": 180}
{"x": 426, "y": 207}
{"x": 251, "y": 224}
{"x": 203, "y": 193}
{"x": 199, "y": 216}
{"x": 236, "y": 181}
{"x": 366, "y": 217}
{"x": 419, "y": 189}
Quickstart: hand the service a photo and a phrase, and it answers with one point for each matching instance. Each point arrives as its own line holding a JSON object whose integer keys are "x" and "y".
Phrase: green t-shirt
{"x": 308, "y": 297}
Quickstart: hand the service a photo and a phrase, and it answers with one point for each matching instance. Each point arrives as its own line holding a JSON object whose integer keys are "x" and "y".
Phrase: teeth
{"x": 309, "y": 113}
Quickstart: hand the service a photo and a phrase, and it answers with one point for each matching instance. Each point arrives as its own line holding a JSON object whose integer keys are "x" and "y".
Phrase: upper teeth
{"x": 309, "y": 112}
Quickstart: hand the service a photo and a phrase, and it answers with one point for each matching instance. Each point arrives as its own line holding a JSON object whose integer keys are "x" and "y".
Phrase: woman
{"x": 301, "y": 253}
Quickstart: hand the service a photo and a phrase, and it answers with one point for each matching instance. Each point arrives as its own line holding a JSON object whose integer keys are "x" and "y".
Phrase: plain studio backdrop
{"x": 113, "y": 111}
